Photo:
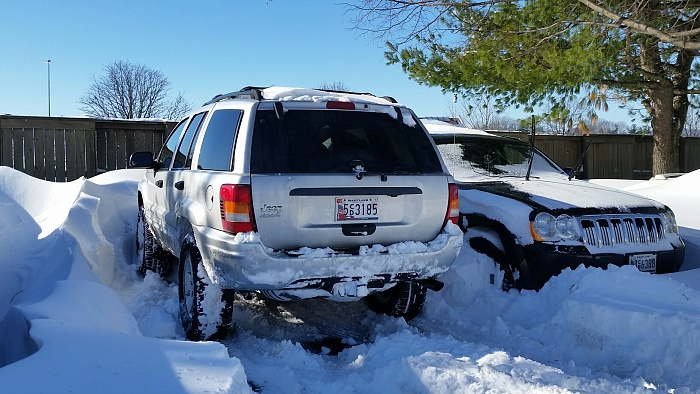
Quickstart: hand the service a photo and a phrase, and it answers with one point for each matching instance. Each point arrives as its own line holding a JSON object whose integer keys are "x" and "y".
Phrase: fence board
{"x": 49, "y": 155}
{"x": 39, "y": 154}
{"x": 61, "y": 163}
{"x": 80, "y": 154}
{"x": 71, "y": 156}
{"x": 112, "y": 141}
{"x": 101, "y": 148}
{"x": 90, "y": 153}
{"x": 6, "y": 149}
{"x": 129, "y": 146}
{"x": 18, "y": 149}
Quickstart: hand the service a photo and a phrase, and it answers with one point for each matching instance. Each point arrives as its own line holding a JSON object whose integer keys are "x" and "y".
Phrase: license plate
{"x": 644, "y": 262}
{"x": 356, "y": 208}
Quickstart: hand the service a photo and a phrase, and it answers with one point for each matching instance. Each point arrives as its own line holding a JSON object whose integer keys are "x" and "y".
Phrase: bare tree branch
{"x": 132, "y": 91}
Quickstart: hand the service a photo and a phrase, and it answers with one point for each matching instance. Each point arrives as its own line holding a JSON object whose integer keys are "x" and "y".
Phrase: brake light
{"x": 236, "y": 208}
{"x": 453, "y": 204}
{"x": 340, "y": 105}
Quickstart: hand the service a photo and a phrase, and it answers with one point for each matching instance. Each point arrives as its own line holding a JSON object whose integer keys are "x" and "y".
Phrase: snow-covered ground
{"x": 75, "y": 317}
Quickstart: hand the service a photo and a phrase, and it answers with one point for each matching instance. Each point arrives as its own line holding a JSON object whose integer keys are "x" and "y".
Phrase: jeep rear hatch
{"x": 343, "y": 178}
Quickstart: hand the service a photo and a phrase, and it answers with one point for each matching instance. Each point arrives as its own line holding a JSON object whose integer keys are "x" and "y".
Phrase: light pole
{"x": 48, "y": 68}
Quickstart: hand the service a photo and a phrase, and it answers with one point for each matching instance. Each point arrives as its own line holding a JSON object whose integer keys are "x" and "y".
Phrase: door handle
{"x": 179, "y": 185}
{"x": 159, "y": 183}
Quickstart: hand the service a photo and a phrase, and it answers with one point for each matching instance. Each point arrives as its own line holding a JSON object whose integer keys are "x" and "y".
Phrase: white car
{"x": 535, "y": 220}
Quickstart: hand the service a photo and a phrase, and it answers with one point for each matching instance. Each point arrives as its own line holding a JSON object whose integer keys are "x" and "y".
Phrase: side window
{"x": 166, "y": 154}
{"x": 216, "y": 152}
{"x": 185, "y": 146}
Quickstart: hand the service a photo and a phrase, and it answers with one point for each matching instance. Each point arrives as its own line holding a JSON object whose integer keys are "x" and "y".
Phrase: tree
{"x": 527, "y": 53}
{"x": 132, "y": 91}
{"x": 479, "y": 112}
{"x": 338, "y": 86}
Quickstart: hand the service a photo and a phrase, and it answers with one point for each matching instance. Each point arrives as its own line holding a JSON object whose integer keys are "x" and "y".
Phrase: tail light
{"x": 453, "y": 204}
{"x": 236, "y": 208}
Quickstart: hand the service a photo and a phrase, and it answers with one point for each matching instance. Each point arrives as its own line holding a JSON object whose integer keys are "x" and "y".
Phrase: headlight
{"x": 668, "y": 219}
{"x": 547, "y": 227}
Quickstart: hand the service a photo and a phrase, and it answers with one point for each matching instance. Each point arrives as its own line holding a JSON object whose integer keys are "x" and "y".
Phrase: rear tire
{"x": 151, "y": 256}
{"x": 405, "y": 299}
{"x": 206, "y": 311}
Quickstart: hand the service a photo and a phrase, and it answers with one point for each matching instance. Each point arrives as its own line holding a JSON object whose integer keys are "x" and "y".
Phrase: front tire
{"x": 405, "y": 299}
{"x": 205, "y": 309}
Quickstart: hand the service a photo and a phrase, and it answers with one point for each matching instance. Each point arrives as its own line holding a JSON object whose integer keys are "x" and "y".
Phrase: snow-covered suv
{"x": 296, "y": 194}
{"x": 534, "y": 220}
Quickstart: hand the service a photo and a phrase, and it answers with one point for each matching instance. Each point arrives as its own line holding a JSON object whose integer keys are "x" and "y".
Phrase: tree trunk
{"x": 667, "y": 104}
{"x": 667, "y": 140}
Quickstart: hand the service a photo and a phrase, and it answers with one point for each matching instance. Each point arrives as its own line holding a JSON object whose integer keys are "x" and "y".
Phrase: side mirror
{"x": 141, "y": 160}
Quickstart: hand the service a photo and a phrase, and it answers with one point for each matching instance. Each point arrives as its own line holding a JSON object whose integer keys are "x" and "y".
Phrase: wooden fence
{"x": 64, "y": 149}
{"x": 623, "y": 156}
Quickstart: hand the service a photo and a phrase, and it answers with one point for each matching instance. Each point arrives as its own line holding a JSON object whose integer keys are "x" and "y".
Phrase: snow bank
{"x": 65, "y": 243}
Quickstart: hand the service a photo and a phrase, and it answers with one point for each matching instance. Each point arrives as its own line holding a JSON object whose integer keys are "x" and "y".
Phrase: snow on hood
{"x": 560, "y": 194}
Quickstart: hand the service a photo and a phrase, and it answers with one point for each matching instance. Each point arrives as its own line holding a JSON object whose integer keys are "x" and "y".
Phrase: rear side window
{"x": 312, "y": 141}
{"x": 216, "y": 152}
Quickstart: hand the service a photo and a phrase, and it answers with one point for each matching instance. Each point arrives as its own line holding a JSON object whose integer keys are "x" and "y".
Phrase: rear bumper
{"x": 241, "y": 262}
{"x": 542, "y": 261}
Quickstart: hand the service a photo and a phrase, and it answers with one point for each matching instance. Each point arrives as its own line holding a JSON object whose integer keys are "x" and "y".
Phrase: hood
{"x": 566, "y": 195}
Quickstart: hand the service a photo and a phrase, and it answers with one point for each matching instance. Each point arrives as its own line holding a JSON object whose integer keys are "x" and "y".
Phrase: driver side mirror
{"x": 142, "y": 160}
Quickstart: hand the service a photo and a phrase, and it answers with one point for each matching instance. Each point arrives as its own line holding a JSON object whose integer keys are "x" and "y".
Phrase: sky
{"x": 76, "y": 317}
{"x": 203, "y": 50}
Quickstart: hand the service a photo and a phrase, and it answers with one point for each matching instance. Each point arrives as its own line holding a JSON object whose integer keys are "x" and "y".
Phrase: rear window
{"x": 310, "y": 141}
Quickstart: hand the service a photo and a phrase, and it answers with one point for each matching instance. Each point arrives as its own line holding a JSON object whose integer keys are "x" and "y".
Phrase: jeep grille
{"x": 614, "y": 230}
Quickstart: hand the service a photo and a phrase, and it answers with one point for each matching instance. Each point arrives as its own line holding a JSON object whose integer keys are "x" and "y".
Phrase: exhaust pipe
{"x": 432, "y": 284}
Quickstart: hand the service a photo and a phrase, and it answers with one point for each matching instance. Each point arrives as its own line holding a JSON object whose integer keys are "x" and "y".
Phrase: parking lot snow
{"x": 76, "y": 317}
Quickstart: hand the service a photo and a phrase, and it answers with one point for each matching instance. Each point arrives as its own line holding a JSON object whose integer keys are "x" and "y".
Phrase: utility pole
{"x": 48, "y": 66}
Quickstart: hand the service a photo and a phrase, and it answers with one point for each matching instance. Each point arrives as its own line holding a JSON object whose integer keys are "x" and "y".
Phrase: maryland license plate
{"x": 356, "y": 208}
{"x": 644, "y": 262}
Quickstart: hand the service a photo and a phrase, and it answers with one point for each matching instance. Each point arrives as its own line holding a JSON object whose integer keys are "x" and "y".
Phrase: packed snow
{"x": 76, "y": 317}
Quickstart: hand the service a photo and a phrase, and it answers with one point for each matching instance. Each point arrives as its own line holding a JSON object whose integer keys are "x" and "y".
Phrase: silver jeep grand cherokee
{"x": 297, "y": 194}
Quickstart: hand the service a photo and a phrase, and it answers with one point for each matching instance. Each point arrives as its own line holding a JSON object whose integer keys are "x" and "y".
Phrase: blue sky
{"x": 203, "y": 48}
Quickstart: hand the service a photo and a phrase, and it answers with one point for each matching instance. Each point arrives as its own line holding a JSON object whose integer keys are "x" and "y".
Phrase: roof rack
{"x": 249, "y": 91}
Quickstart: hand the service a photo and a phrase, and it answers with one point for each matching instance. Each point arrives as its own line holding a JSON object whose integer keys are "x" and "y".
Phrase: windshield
{"x": 484, "y": 156}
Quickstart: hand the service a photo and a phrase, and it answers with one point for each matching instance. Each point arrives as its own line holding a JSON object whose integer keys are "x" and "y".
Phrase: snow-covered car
{"x": 297, "y": 194}
{"x": 534, "y": 220}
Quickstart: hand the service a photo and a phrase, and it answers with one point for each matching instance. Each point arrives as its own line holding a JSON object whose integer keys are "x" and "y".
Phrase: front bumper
{"x": 542, "y": 260}
{"x": 242, "y": 262}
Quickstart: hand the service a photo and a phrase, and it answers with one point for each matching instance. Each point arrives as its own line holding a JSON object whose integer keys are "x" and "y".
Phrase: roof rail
{"x": 248, "y": 91}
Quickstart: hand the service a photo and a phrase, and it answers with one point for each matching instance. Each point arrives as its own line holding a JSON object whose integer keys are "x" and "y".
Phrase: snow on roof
{"x": 303, "y": 94}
